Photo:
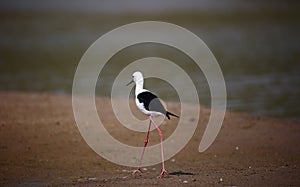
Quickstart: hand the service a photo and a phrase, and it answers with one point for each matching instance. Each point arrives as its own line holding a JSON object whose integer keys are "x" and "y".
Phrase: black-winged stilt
{"x": 149, "y": 104}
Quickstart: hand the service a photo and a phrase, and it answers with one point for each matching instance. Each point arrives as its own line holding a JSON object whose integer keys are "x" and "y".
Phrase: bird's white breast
{"x": 141, "y": 107}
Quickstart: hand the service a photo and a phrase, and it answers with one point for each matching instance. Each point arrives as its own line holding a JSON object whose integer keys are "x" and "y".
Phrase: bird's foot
{"x": 138, "y": 170}
{"x": 163, "y": 173}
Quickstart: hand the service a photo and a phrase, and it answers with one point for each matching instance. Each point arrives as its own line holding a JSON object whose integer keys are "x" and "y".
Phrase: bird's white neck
{"x": 139, "y": 86}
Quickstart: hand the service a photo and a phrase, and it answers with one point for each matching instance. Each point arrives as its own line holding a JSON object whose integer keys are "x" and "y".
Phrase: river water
{"x": 258, "y": 49}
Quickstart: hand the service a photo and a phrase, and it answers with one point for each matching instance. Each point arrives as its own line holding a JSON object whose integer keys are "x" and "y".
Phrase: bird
{"x": 149, "y": 104}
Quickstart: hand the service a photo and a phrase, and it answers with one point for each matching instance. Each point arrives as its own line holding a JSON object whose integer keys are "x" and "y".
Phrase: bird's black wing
{"x": 151, "y": 102}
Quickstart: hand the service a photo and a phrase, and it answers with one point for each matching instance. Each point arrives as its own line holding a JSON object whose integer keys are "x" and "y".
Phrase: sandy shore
{"x": 41, "y": 145}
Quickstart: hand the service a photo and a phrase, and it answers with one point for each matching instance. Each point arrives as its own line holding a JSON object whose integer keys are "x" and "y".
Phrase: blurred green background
{"x": 256, "y": 43}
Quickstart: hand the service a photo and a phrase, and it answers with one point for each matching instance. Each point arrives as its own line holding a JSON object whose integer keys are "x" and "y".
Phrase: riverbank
{"x": 40, "y": 145}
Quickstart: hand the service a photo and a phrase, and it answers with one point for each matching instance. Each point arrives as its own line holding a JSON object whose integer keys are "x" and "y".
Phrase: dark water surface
{"x": 257, "y": 49}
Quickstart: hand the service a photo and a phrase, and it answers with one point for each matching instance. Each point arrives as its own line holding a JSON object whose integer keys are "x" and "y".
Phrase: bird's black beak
{"x": 129, "y": 83}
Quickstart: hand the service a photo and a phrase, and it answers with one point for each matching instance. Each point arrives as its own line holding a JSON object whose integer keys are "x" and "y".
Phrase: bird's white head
{"x": 137, "y": 77}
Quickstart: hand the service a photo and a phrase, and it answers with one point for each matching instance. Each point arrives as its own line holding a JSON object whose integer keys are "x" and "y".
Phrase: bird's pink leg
{"x": 145, "y": 145}
{"x": 163, "y": 171}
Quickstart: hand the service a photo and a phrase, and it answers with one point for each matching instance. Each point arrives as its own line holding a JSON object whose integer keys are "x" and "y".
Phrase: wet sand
{"x": 40, "y": 144}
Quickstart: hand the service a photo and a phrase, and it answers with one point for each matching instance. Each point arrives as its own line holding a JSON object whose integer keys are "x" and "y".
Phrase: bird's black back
{"x": 151, "y": 102}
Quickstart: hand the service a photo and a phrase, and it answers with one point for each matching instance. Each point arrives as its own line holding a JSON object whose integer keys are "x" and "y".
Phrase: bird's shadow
{"x": 181, "y": 173}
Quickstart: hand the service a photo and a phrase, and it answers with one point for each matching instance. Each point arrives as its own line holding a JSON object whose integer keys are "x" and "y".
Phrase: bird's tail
{"x": 168, "y": 114}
